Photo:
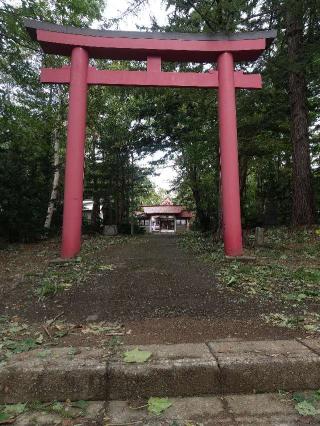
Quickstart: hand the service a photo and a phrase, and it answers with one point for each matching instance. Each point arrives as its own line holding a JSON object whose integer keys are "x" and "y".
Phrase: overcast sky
{"x": 155, "y": 8}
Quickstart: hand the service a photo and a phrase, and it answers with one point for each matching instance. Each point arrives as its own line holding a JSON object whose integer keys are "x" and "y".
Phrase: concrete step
{"x": 229, "y": 410}
{"x": 216, "y": 368}
{"x": 262, "y": 409}
{"x": 93, "y": 414}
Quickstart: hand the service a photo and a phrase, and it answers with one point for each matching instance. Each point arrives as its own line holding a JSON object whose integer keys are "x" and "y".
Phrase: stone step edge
{"x": 218, "y": 367}
{"x": 270, "y": 408}
{"x": 245, "y": 409}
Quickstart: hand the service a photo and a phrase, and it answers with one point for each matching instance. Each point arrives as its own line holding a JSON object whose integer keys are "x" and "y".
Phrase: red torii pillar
{"x": 82, "y": 44}
{"x": 229, "y": 163}
{"x": 76, "y": 134}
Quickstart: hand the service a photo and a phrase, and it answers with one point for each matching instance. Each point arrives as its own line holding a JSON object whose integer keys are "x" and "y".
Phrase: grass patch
{"x": 57, "y": 278}
{"x": 66, "y": 410}
{"x": 306, "y": 403}
{"x": 286, "y": 272}
{"x": 48, "y": 288}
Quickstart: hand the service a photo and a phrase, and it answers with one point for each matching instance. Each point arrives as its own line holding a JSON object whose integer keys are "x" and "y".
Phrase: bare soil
{"x": 159, "y": 291}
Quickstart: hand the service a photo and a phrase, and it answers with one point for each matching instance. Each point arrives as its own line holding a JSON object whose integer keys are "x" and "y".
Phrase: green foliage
{"x": 24, "y": 172}
{"x": 310, "y": 322}
{"x": 137, "y": 356}
{"x": 307, "y": 403}
{"x": 158, "y": 405}
{"x": 18, "y": 346}
{"x": 11, "y": 411}
{"x": 285, "y": 272}
{"x": 58, "y": 278}
{"x": 67, "y": 410}
{"x": 29, "y": 114}
{"x": 48, "y": 287}
{"x": 305, "y": 408}
{"x": 265, "y": 150}
{"x": 16, "y": 337}
{"x": 115, "y": 142}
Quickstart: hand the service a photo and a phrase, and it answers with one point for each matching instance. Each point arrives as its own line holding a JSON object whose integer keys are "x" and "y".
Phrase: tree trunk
{"x": 95, "y": 215}
{"x": 55, "y": 183}
{"x": 303, "y": 211}
{"x": 243, "y": 177}
{"x": 218, "y": 229}
{"x": 202, "y": 216}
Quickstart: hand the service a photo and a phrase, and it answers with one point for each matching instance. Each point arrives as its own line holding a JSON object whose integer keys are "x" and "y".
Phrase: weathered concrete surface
{"x": 312, "y": 344}
{"x": 263, "y": 409}
{"x": 203, "y": 410}
{"x": 266, "y": 366}
{"x": 174, "y": 370}
{"x": 61, "y": 374}
{"x": 93, "y": 416}
{"x": 269, "y": 409}
{"x": 228, "y": 367}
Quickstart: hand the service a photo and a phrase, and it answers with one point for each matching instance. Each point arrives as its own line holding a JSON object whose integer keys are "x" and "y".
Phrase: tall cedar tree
{"x": 303, "y": 209}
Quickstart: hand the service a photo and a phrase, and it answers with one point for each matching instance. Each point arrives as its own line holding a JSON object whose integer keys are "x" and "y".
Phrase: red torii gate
{"x": 82, "y": 44}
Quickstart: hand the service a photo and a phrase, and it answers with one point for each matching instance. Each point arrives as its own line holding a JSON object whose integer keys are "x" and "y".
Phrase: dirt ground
{"x": 154, "y": 290}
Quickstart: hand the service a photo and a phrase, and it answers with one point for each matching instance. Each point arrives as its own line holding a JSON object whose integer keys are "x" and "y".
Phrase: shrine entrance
{"x": 167, "y": 224}
{"x": 82, "y": 44}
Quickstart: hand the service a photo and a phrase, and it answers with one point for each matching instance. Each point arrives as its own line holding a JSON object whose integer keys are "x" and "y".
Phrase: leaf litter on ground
{"x": 308, "y": 321}
{"x": 286, "y": 272}
{"x": 68, "y": 409}
{"x": 106, "y": 267}
{"x": 17, "y": 336}
{"x": 103, "y": 327}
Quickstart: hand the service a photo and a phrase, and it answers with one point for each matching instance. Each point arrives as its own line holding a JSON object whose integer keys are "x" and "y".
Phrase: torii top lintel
{"x": 170, "y": 46}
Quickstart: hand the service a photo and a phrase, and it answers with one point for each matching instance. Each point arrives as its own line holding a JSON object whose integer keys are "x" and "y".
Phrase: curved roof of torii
{"x": 128, "y": 45}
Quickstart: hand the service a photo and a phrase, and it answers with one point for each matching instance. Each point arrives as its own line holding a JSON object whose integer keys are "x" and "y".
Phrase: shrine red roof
{"x": 127, "y": 45}
{"x": 186, "y": 214}
{"x": 179, "y": 211}
{"x": 162, "y": 209}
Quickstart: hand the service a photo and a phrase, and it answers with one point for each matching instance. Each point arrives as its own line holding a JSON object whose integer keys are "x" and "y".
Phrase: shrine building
{"x": 164, "y": 218}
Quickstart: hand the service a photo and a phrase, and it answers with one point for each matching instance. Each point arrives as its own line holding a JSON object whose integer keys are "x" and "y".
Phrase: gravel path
{"x": 159, "y": 291}
{"x": 163, "y": 293}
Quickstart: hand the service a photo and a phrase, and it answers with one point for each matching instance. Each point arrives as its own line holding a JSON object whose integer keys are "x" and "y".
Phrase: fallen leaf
{"x": 136, "y": 355}
{"x": 44, "y": 354}
{"x": 158, "y": 405}
{"x": 106, "y": 267}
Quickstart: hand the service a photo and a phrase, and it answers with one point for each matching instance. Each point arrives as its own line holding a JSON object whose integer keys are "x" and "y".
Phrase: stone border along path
{"x": 230, "y": 410}
{"x": 222, "y": 367}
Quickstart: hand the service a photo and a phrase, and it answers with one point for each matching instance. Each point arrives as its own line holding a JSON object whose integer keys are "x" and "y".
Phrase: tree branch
{"x": 202, "y": 16}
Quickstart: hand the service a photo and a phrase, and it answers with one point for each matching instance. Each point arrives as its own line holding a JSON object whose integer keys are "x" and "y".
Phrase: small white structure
{"x": 87, "y": 208}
